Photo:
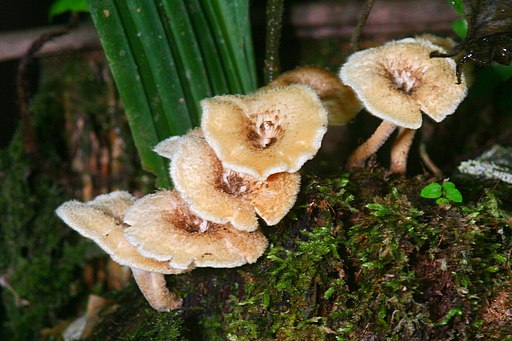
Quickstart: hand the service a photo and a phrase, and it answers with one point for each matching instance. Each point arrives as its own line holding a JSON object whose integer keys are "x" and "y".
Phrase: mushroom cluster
{"x": 398, "y": 82}
{"x": 242, "y": 163}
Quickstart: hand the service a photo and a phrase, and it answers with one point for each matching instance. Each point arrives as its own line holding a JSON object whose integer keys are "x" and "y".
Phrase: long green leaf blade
{"x": 128, "y": 79}
{"x": 153, "y": 39}
{"x": 222, "y": 18}
{"x": 211, "y": 56}
{"x": 234, "y": 27}
{"x": 183, "y": 42}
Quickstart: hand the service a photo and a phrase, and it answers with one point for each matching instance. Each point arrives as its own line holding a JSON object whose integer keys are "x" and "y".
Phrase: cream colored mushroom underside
{"x": 195, "y": 173}
{"x": 276, "y": 196}
{"x": 168, "y": 147}
{"x": 435, "y": 91}
{"x": 226, "y": 125}
{"x": 101, "y": 221}
{"x": 270, "y": 199}
{"x": 154, "y": 232}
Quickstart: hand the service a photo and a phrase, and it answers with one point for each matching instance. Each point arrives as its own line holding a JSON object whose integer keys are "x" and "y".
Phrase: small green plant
{"x": 445, "y": 193}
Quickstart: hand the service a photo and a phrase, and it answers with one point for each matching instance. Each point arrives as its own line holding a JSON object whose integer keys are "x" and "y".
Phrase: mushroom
{"x": 397, "y": 82}
{"x": 221, "y": 195}
{"x": 340, "y": 101}
{"x": 271, "y": 131}
{"x": 163, "y": 228}
{"x": 101, "y": 220}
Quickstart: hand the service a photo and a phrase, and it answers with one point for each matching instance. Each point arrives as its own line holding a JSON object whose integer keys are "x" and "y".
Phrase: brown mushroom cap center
{"x": 234, "y": 183}
{"x": 185, "y": 220}
{"x": 402, "y": 77}
{"x": 265, "y": 128}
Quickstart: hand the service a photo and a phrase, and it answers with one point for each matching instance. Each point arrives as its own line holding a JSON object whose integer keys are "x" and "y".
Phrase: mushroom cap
{"x": 340, "y": 100}
{"x": 443, "y": 42}
{"x": 168, "y": 147}
{"x": 398, "y": 81}
{"x": 162, "y": 227}
{"x": 223, "y": 196}
{"x": 271, "y": 131}
{"x": 101, "y": 220}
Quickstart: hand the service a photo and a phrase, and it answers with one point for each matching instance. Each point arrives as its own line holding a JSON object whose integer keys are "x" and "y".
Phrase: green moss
{"x": 369, "y": 257}
{"x": 39, "y": 256}
{"x": 133, "y": 319}
{"x": 362, "y": 256}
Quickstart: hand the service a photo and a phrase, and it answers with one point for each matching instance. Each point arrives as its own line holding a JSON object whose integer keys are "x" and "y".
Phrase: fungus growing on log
{"x": 397, "y": 82}
{"x": 221, "y": 195}
{"x": 271, "y": 131}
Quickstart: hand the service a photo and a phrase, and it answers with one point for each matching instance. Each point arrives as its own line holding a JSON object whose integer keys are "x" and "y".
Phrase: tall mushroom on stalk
{"x": 397, "y": 82}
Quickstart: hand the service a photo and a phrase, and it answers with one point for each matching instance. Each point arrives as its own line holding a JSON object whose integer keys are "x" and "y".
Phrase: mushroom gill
{"x": 265, "y": 128}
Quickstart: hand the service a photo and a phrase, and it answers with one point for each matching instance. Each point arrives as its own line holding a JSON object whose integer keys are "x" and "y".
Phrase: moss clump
{"x": 370, "y": 258}
{"x": 136, "y": 320}
{"x": 40, "y": 258}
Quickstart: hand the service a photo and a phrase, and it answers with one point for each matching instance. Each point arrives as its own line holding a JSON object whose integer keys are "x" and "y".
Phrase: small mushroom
{"x": 221, "y": 195}
{"x": 101, "y": 220}
{"x": 162, "y": 227}
{"x": 271, "y": 131}
{"x": 340, "y": 101}
{"x": 397, "y": 82}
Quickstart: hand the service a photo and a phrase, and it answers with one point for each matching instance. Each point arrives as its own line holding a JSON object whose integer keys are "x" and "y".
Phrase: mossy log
{"x": 362, "y": 256}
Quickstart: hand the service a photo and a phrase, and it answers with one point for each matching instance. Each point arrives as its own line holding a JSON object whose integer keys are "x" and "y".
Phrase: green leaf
{"x": 328, "y": 293}
{"x": 453, "y": 194}
{"x": 63, "y": 6}
{"x": 128, "y": 75}
{"x": 458, "y": 5}
{"x": 460, "y": 27}
{"x": 166, "y": 56}
{"x": 448, "y": 184}
{"x": 208, "y": 46}
{"x": 432, "y": 191}
{"x": 442, "y": 201}
{"x": 185, "y": 48}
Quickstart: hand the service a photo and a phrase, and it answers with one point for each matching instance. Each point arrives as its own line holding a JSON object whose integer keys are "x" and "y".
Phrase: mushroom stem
{"x": 400, "y": 150}
{"x": 153, "y": 287}
{"x": 364, "y": 151}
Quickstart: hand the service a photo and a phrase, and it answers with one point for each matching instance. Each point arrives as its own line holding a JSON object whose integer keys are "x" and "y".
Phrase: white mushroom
{"x": 397, "y": 82}
{"x": 101, "y": 220}
{"x": 271, "y": 131}
{"x": 221, "y": 195}
{"x": 162, "y": 227}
